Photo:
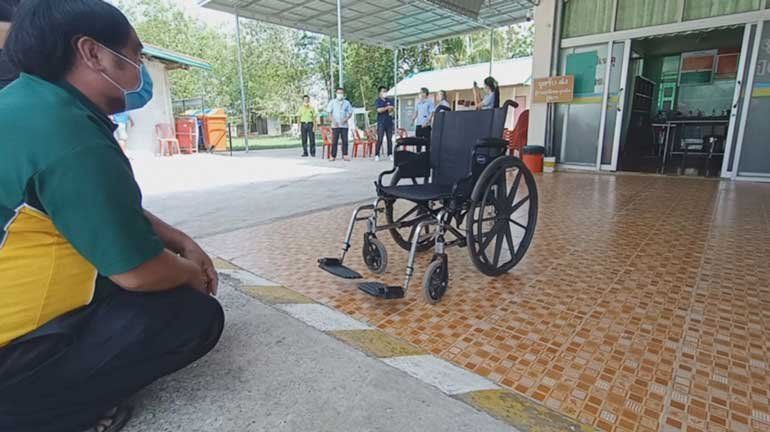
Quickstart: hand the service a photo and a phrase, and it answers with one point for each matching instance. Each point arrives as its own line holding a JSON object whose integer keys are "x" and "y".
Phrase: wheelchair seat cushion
{"x": 419, "y": 192}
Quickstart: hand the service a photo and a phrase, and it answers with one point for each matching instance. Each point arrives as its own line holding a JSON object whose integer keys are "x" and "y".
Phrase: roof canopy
{"x": 388, "y": 23}
{"x": 174, "y": 58}
{"x": 509, "y": 72}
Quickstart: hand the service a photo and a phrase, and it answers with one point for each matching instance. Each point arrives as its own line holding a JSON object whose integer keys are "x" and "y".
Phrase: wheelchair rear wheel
{"x": 502, "y": 217}
{"x": 411, "y": 214}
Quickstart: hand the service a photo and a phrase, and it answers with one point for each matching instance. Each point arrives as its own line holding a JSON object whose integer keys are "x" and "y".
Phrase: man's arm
{"x": 180, "y": 243}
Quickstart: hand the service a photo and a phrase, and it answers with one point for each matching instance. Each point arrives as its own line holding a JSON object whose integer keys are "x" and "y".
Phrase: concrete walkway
{"x": 213, "y": 194}
{"x": 271, "y": 372}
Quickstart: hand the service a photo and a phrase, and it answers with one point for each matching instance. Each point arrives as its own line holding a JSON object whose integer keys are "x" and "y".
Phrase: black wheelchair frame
{"x": 468, "y": 198}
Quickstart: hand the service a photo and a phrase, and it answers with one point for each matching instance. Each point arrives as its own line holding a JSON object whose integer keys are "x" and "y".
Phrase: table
{"x": 682, "y": 125}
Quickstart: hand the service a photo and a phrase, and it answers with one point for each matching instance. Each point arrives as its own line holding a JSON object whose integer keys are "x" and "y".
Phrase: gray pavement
{"x": 271, "y": 372}
{"x": 216, "y": 210}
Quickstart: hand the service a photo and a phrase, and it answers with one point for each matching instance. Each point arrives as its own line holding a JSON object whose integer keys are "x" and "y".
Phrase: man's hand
{"x": 194, "y": 253}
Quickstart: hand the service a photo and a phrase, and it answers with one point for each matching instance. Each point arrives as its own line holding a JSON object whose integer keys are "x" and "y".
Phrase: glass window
{"x": 585, "y": 17}
{"x": 697, "y": 9}
{"x": 643, "y": 13}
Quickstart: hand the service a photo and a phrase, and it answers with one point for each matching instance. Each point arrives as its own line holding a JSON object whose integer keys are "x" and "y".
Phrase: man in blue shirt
{"x": 122, "y": 120}
{"x": 385, "y": 107}
{"x": 340, "y": 112}
{"x": 423, "y": 114}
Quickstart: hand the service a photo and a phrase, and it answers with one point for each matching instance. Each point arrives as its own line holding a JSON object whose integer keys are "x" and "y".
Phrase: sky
{"x": 215, "y": 18}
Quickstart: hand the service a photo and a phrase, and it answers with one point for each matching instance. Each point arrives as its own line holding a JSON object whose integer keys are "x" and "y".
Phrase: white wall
{"x": 142, "y": 136}
{"x": 545, "y": 15}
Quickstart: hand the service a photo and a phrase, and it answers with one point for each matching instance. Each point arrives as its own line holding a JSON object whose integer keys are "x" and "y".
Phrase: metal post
{"x": 331, "y": 68}
{"x": 395, "y": 84}
{"x": 240, "y": 76}
{"x": 491, "y": 49}
{"x": 339, "y": 41}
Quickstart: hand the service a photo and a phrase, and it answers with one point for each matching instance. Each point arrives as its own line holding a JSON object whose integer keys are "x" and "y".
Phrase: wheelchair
{"x": 459, "y": 188}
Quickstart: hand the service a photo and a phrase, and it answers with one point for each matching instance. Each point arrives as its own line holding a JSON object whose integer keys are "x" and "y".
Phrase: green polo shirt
{"x": 70, "y": 208}
{"x": 306, "y": 114}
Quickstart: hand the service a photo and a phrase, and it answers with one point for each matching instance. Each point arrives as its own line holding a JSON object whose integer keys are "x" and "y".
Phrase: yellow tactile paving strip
{"x": 643, "y": 305}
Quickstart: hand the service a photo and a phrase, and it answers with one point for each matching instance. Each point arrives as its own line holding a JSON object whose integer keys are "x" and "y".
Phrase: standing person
{"x": 123, "y": 120}
{"x": 385, "y": 106}
{"x": 8, "y": 73}
{"x": 491, "y": 97}
{"x": 307, "y": 124}
{"x": 100, "y": 298}
{"x": 423, "y": 114}
{"x": 340, "y": 112}
{"x": 442, "y": 99}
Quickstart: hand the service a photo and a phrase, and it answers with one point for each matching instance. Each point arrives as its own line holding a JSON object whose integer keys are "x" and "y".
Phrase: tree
{"x": 275, "y": 59}
{"x": 509, "y": 42}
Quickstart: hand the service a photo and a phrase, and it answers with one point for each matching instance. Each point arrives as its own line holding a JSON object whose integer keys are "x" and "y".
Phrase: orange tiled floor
{"x": 643, "y": 304}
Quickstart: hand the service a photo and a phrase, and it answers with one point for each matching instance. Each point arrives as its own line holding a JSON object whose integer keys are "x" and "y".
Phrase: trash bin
{"x": 187, "y": 134}
{"x": 215, "y": 130}
{"x": 533, "y": 158}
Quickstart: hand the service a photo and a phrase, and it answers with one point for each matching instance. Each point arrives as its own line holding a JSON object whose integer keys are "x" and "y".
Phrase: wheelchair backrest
{"x": 453, "y": 137}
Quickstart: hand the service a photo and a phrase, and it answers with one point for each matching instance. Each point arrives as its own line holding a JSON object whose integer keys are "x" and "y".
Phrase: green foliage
{"x": 280, "y": 64}
{"x": 509, "y": 42}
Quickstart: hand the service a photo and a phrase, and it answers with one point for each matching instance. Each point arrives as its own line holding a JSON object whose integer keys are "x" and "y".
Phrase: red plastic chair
{"x": 519, "y": 135}
{"x": 371, "y": 135}
{"x": 168, "y": 145}
{"x": 326, "y": 137}
{"x": 363, "y": 142}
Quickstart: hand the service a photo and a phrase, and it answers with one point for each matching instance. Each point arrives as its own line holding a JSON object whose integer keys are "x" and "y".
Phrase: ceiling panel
{"x": 388, "y": 23}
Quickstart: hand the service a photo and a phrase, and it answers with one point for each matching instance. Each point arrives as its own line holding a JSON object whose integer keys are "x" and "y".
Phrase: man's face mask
{"x": 340, "y": 96}
{"x": 139, "y": 96}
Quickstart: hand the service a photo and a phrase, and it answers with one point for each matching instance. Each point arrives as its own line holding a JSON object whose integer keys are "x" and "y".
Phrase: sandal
{"x": 113, "y": 420}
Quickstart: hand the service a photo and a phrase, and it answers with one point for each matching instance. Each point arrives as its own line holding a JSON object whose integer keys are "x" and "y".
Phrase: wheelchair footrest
{"x": 381, "y": 290}
{"x": 335, "y": 267}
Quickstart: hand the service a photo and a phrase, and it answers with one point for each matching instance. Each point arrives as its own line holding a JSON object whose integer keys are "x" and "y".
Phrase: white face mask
{"x": 340, "y": 96}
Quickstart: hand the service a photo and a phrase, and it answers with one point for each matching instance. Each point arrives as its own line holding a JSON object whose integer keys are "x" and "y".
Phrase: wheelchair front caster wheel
{"x": 436, "y": 281}
{"x": 375, "y": 254}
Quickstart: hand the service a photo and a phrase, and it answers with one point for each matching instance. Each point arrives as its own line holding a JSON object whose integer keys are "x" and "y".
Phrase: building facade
{"x": 666, "y": 86}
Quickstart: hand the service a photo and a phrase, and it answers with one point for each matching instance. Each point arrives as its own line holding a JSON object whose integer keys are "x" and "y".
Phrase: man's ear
{"x": 91, "y": 53}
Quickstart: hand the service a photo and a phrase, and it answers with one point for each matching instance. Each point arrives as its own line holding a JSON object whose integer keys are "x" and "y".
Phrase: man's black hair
{"x": 6, "y": 9}
{"x": 340, "y": 88}
{"x": 305, "y": 96}
{"x": 381, "y": 88}
{"x": 43, "y": 36}
{"x": 425, "y": 90}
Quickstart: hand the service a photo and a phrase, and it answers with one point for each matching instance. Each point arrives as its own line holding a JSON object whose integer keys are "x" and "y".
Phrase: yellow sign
{"x": 558, "y": 89}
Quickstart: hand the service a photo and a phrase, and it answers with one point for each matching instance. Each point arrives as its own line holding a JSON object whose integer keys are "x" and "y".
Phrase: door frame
{"x": 727, "y": 170}
{"x": 622, "y": 93}
{"x": 747, "y": 99}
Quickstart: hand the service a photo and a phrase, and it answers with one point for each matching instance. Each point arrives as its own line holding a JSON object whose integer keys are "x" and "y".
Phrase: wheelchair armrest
{"x": 491, "y": 143}
{"x": 378, "y": 183}
{"x": 456, "y": 187}
{"x": 412, "y": 141}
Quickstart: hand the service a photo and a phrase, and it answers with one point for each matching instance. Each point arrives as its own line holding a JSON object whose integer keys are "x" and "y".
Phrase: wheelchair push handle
{"x": 510, "y": 103}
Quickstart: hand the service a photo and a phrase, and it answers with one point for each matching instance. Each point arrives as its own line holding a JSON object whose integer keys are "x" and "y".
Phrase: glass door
{"x": 578, "y": 124}
{"x": 615, "y": 105}
{"x": 753, "y": 153}
{"x": 739, "y": 99}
